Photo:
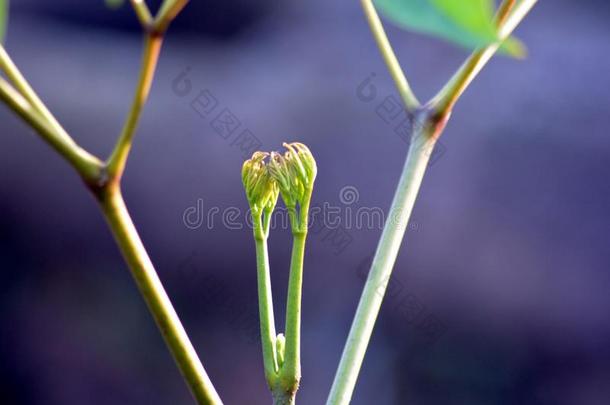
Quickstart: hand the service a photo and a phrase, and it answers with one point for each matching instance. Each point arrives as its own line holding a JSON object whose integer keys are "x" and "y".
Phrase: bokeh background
{"x": 500, "y": 294}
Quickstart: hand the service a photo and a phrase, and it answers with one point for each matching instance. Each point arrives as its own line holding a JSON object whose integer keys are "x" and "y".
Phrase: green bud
{"x": 295, "y": 172}
{"x": 303, "y": 162}
{"x": 261, "y": 189}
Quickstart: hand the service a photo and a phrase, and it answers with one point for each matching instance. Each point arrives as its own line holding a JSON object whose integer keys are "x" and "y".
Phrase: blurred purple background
{"x": 500, "y": 294}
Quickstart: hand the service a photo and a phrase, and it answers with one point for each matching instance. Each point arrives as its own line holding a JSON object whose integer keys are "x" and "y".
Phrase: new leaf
{"x": 468, "y": 23}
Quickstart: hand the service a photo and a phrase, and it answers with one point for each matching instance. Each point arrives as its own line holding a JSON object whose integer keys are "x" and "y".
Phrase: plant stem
{"x": 448, "y": 96}
{"x": 159, "y": 304}
{"x": 435, "y": 115}
{"x": 284, "y": 392}
{"x": 14, "y": 75}
{"x": 143, "y": 13}
{"x": 23, "y": 100}
{"x": 104, "y": 181}
{"x": 87, "y": 165}
{"x": 281, "y": 397}
{"x": 421, "y": 148}
{"x": 167, "y": 12}
{"x": 291, "y": 371}
{"x": 265, "y": 302}
{"x": 118, "y": 158}
{"x": 389, "y": 56}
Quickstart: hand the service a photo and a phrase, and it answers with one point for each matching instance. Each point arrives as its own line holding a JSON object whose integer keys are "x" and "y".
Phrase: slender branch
{"x": 159, "y": 304}
{"x": 290, "y": 372}
{"x": 387, "y": 250}
{"x": 87, "y": 165}
{"x": 118, "y": 159}
{"x": 14, "y": 75}
{"x": 444, "y": 101}
{"x": 292, "y": 364}
{"x": 24, "y": 101}
{"x": 265, "y": 301}
{"x": 167, "y": 12}
{"x": 389, "y": 56}
{"x": 143, "y": 13}
{"x": 423, "y": 140}
{"x": 503, "y": 11}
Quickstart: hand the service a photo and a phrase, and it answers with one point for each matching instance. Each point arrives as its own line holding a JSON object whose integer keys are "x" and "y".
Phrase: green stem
{"x": 104, "y": 181}
{"x": 400, "y": 80}
{"x": 87, "y": 165}
{"x": 24, "y": 101}
{"x": 503, "y": 11}
{"x": 14, "y": 75}
{"x": 265, "y": 302}
{"x": 437, "y": 112}
{"x": 118, "y": 158}
{"x": 421, "y": 148}
{"x": 291, "y": 371}
{"x": 167, "y": 12}
{"x": 159, "y": 304}
{"x": 444, "y": 101}
{"x": 281, "y": 397}
{"x": 284, "y": 392}
{"x": 143, "y": 13}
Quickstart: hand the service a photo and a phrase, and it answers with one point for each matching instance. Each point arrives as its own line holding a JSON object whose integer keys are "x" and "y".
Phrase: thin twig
{"x": 118, "y": 159}
{"x": 143, "y": 13}
{"x": 87, "y": 165}
{"x": 14, "y": 75}
{"x": 503, "y": 11}
{"x": 265, "y": 300}
{"x": 381, "y": 269}
{"x": 420, "y": 150}
{"x": 167, "y": 13}
{"x": 389, "y": 56}
{"x": 444, "y": 101}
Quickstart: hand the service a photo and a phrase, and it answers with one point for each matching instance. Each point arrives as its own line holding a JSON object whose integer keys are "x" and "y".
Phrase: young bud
{"x": 261, "y": 189}
{"x": 303, "y": 162}
{"x": 294, "y": 172}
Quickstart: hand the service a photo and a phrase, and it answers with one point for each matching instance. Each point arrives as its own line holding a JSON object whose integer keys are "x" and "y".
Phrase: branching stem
{"x": 103, "y": 179}
{"x": 445, "y": 100}
{"x": 428, "y": 126}
{"x": 25, "y": 102}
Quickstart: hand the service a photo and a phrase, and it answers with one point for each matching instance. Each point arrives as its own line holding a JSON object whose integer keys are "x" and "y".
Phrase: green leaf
{"x": 3, "y": 18}
{"x": 475, "y": 16}
{"x": 468, "y": 23}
